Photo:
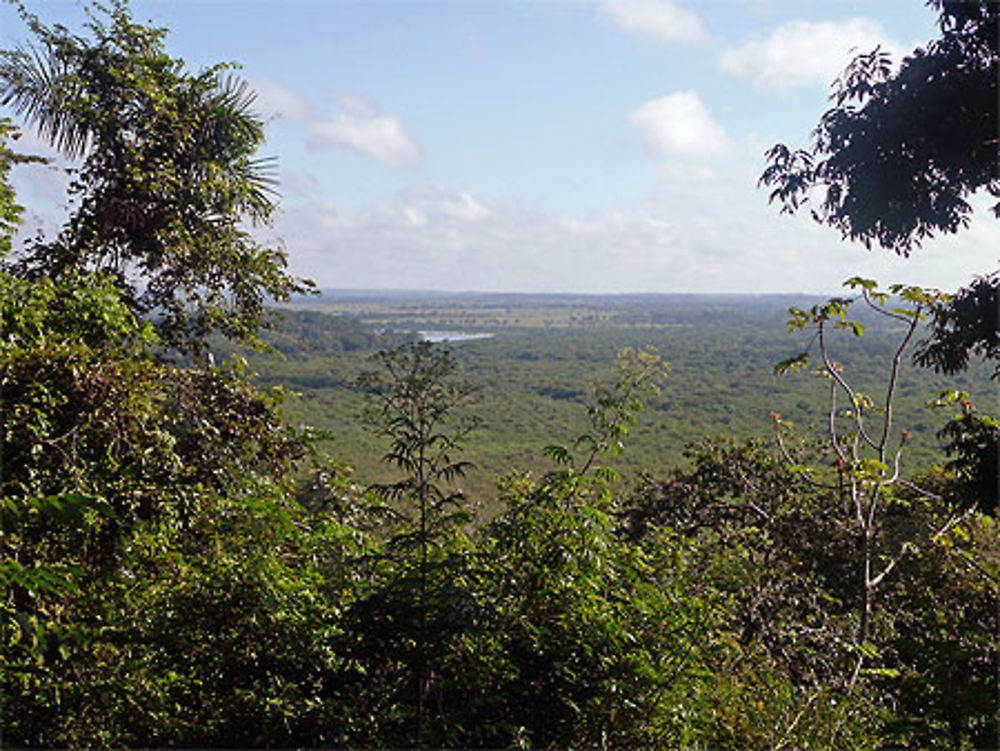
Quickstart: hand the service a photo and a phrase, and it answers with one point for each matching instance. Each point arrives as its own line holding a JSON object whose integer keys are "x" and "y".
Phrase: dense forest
{"x": 541, "y": 355}
{"x": 231, "y": 518}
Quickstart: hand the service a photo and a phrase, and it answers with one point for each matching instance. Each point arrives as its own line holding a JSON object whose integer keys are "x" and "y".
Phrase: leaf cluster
{"x": 966, "y": 324}
{"x": 896, "y": 157}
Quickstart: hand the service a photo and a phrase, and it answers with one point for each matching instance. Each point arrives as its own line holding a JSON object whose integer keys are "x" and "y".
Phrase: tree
{"x": 545, "y": 627}
{"x": 892, "y": 517}
{"x": 861, "y": 444}
{"x": 779, "y": 556}
{"x": 152, "y": 575}
{"x": 170, "y": 180}
{"x": 641, "y": 374}
{"x": 971, "y": 441}
{"x": 899, "y": 153}
{"x": 964, "y": 325}
{"x": 772, "y": 552}
{"x": 110, "y": 455}
{"x": 413, "y": 400}
{"x": 894, "y": 162}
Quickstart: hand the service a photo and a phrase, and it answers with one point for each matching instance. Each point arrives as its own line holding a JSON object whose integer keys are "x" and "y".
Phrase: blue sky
{"x": 581, "y": 145}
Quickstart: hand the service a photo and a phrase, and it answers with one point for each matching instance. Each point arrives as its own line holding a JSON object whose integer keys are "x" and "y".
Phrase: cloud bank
{"x": 679, "y": 241}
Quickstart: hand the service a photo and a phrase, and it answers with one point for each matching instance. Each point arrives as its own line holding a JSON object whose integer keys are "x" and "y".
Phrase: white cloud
{"x": 359, "y": 126}
{"x": 29, "y": 142}
{"x": 807, "y": 52}
{"x": 690, "y": 172}
{"x": 678, "y": 126}
{"x": 362, "y": 127}
{"x": 434, "y": 204}
{"x": 676, "y": 242}
{"x": 663, "y": 19}
{"x": 41, "y": 188}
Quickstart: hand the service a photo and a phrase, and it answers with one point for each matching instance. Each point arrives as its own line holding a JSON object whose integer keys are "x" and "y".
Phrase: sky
{"x": 597, "y": 146}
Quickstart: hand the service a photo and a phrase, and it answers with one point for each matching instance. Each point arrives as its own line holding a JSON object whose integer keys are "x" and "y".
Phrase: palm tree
{"x": 169, "y": 184}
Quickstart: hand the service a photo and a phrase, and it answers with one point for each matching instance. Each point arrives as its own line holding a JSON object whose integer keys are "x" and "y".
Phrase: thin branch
{"x": 855, "y": 673}
{"x": 924, "y": 493}
{"x": 833, "y": 423}
{"x": 893, "y": 380}
{"x": 750, "y": 486}
{"x": 873, "y": 583}
{"x": 878, "y": 309}
{"x": 832, "y": 370}
{"x": 791, "y": 460}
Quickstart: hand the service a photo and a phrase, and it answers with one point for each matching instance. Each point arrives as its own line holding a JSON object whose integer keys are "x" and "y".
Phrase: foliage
{"x": 971, "y": 440}
{"x": 533, "y": 383}
{"x": 10, "y": 209}
{"x": 169, "y": 179}
{"x": 140, "y": 496}
{"x": 59, "y": 470}
{"x": 898, "y": 155}
{"x": 717, "y": 610}
{"x": 110, "y": 455}
{"x": 939, "y": 638}
{"x": 895, "y": 161}
{"x": 545, "y": 628}
{"x": 614, "y": 411}
{"x": 776, "y": 556}
{"x": 582, "y": 641}
{"x": 860, "y": 444}
{"x": 414, "y": 397}
{"x": 902, "y": 148}
{"x": 893, "y": 518}
{"x": 88, "y": 409}
{"x": 964, "y": 324}
{"x": 780, "y": 555}
{"x": 208, "y": 635}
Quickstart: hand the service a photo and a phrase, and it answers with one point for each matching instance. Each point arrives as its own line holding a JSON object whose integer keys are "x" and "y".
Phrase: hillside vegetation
{"x": 555, "y": 537}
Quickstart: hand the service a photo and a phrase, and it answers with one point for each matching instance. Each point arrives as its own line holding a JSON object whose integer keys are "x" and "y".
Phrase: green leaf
{"x": 558, "y": 454}
{"x": 796, "y": 362}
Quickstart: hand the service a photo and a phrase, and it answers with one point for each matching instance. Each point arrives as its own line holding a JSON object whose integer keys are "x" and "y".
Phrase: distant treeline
{"x": 770, "y": 310}
{"x": 302, "y": 332}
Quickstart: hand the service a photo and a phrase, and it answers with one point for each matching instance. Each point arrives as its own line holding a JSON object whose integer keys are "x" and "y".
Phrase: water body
{"x": 436, "y": 337}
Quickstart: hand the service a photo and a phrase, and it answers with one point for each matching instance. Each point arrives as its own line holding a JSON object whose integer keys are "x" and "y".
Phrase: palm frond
{"x": 228, "y": 119}
{"x": 41, "y": 88}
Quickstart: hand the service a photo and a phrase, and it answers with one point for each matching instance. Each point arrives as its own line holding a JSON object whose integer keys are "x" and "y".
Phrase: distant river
{"x": 451, "y": 336}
